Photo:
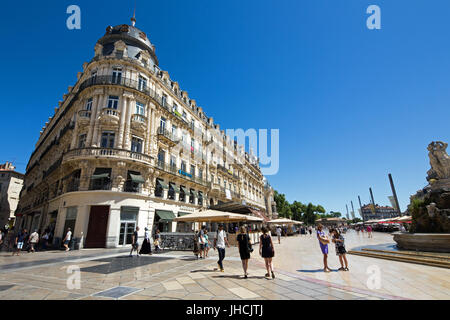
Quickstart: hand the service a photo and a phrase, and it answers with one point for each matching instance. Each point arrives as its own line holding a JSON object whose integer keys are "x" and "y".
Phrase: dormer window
{"x": 119, "y": 54}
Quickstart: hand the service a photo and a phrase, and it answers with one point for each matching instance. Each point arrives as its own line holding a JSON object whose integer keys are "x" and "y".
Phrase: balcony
{"x": 110, "y": 116}
{"x": 96, "y": 153}
{"x": 84, "y": 115}
{"x": 167, "y": 137}
{"x": 180, "y": 173}
{"x": 138, "y": 122}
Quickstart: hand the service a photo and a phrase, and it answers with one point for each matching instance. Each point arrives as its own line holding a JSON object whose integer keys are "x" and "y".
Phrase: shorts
{"x": 340, "y": 251}
{"x": 19, "y": 245}
{"x": 66, "y": 242}
{"x": 202, "y": 246}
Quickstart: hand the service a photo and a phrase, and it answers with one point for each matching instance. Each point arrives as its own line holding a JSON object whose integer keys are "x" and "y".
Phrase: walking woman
{"x": 267, "y": 251}
{"x": 245, "y": 248}
{"x": 323, "y": 242}
{"x": 146, "y": 247}
{"x": 196, "y": 247}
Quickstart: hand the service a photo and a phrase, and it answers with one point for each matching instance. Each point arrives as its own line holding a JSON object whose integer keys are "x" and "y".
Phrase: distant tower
{"x": 133, "y": 20}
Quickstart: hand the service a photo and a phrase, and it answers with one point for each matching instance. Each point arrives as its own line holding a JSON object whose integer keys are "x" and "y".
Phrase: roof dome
{"x": 135, "y": 39}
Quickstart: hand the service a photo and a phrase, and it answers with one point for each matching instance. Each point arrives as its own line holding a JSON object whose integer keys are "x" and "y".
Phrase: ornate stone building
{"x": 11, "y": 183}
{"x": 128, "y": 147}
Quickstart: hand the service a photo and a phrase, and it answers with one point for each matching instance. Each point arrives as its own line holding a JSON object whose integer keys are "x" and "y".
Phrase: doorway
{"x": 98, "y": 226}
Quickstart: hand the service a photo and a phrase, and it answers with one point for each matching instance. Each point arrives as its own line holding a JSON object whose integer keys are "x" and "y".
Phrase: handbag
{"x": 250, "y": 247}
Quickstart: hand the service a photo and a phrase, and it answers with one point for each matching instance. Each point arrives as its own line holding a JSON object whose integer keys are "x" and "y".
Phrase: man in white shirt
{"x": 67, "y": 239}
{"x": 279, "y": 234}
{"x": 219, "y": 242}
{"x": 34, "y": 239}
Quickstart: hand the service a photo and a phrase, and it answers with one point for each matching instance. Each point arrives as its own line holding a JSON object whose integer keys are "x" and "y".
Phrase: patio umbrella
{"x": 284, "y": 221}
{"x": 216, "y": 216}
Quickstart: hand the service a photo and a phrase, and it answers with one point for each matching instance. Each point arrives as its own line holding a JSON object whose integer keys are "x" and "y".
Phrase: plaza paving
{"x": 111, "y": 274}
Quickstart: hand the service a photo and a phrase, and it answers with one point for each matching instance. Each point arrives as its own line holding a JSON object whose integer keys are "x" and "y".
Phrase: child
{"x": 323, "y": 242}
{"x": 338, "y": 239}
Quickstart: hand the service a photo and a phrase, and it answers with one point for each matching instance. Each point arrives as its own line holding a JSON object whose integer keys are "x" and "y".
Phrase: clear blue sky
{"x": 351, "y": 104}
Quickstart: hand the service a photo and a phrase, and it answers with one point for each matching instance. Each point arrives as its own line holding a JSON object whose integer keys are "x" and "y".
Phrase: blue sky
{"x": 351, "y": 104}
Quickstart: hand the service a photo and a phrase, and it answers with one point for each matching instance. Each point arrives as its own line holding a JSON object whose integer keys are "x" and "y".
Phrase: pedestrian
{"x": 310, "y": 231}
{"x": 369, "y": 231}
{"x": 135, "y": 242}
{"x": 245, "y": 248}
{"x": 34, "y": 240}
{"x": 339, "y": 242}
{"x": 207, "y": 243}
{"x": 279, "y": 234}
{"x": 201, "y": 242}
{"x": 219, "y": 242}
{"x": 67, "y": 239}
{"x": 267, "y": 251}
{"x": 2, "y": 235}
{"x": 20, "y": 239}
{"x": 323, "y": 242}
{"x": 45, "y": 240}
{"x": 157, "y": 241}
{"x": 146, "y": 248}
{"x": 196, "y": 247}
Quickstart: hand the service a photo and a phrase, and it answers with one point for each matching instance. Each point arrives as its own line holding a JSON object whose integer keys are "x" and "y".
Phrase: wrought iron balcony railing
{"x": 107, "y": 152}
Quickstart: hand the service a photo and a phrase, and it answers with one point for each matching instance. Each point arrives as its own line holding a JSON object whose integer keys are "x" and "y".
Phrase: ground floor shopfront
{"x": 106, "y": 219}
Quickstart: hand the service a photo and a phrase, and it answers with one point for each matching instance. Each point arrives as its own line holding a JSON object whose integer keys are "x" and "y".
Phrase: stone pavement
{"x": 111, "y": 274}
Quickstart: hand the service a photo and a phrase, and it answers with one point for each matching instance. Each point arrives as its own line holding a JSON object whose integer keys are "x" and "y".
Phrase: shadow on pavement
{"x": 315, "y": 271}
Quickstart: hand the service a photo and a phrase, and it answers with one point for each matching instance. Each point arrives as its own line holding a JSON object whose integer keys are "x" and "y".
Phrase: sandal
{"x": 341, "y": 269}
{"x": 346, "y": 269}
{"x": 267, "y": 275}
{"x": 273, "y": 275}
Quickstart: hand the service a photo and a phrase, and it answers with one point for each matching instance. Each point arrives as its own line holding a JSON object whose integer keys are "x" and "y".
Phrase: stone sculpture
{"x": 439, "y": 161}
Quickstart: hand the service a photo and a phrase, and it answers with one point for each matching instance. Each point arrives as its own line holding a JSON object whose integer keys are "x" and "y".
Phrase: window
{"x": 119, "y": 54}
{"x": 182, "y": 194}
{"x": 134, "y": 182}
{"x": 193, "y": 170}
{"x": 162, "y": 124}
{"x": 191, "y": 196}
{"x": 101, "y": 179}
{"x": 171, "y": 192}
{"x": 82, "y": 141}
{"x": 184, "y": 115}
{"x": 88, "y": 106}
{"x": 183, "y": 166}
{"x": 108, "y": 139}
{"x": 113, "y": 102}
{"x": 142, "y": 83}
{"x": 200, "y": 173}
{"x": 174, "y": 131}
{"x": 159, "y": 190}
{"x": 117, "y": 75}
{"x": 173, "y": 161}
{"x": 140, "y": 108}
{"x": 94, "y": 76}
{"x": 136, "y": 145}
{"x": 161, "y": 156}
{"x": 175, "y": 107}
{"x": 200, "y": 198}
{"x": 164, "y": 99}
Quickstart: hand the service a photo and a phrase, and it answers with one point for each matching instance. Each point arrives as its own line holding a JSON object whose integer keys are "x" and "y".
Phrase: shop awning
{"x": 195, "y": 193}
{"x": 180, "y": 214}
{"x": 163, "y": 184}
{"x": 284, "y": 221}
{"x": 165, "y": 216}
{"x": 100, "y": 176}
{"x": 136, "y": 178}
{"x": 175, "y": 188}
{"x": 185, "y": 190}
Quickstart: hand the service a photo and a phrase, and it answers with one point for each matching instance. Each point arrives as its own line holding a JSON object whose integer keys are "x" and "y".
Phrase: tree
{"x": 283, "y": 206}
{"x": 297, "y": 208}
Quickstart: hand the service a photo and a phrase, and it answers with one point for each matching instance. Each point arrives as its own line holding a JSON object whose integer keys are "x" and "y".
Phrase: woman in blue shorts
{"x": 323, "y": 242}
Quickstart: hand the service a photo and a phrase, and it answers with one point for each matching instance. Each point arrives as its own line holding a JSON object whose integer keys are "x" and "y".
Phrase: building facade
{"x": 127, "y": 147}
{"x": 11, "y": 183}
{"x": 379, "y": 212}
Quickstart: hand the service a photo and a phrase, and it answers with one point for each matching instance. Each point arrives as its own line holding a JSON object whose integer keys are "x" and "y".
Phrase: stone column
{"x": 127, "y": 139}
{"x": 95, "y": 103}
{"x": 97, "y": 122}
{"x": 122, "y": 122}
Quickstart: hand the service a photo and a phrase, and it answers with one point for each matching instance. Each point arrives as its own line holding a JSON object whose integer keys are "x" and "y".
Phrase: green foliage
{"x": 297, "y": 210}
